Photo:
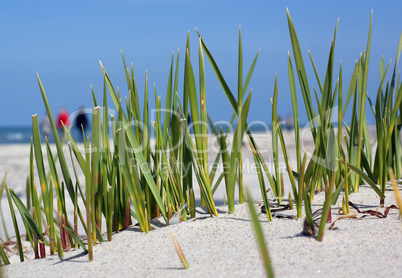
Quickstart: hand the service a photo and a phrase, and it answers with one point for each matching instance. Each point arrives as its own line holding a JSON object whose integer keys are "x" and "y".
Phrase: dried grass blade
{"x": 179, "y": 251}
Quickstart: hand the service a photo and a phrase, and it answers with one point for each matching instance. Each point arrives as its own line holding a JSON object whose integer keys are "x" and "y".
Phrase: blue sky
{"x": 63, "y": 41}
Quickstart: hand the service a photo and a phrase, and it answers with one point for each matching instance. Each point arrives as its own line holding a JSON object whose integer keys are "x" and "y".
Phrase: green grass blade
{"x": 168, "y": 105}
{"x": 295, "y": 111}
{"x": 217, "y": 183}
{"x": 219, "y": 75}
{"x": 307, "y": 208}
{"x": 16, "y": 229}
{"x": 240, "y": 74}
{"x": 39, "y": 161}
{"x": 262, "y": 183}
{"x": 275, "y": 125}
{"x": 225, "y": 159}
{"x": 3, "y": 256}
{"x": 315, "y": 71}
{"x": 192, "y": 94}
{"x": 236, "y": 147}
{"x": 326, "y": 208}
{"x": 301, "y": 72}
{"x": 2, "y": 187}
{"x": 249, "y": 74}
{"x": 76, "y": 238}
{"x": 361, "y": 174}
{"x": 203, "y": 108}
{"x": 25, "y": 214}
{"x": 259, "y": 235}
{"x": 88, "y": 200}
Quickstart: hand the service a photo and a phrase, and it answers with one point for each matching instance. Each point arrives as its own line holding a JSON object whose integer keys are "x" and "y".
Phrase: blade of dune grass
{"x": 26, "y": 217}
{"x": 132, "y": 87}
{"x": 2, "y": 187}
{"x": 340, "y": 115}
{"x": 219, "y": 75}
{"x": 3, "y": 256}
{"x": 36, "y": 213}
{"x": 295, "y": 111}
{"x": 361, "y": 174}
{"x": 77, "y": 153}
{"x": 179, "y": 251}
{"x": 262, "y": 183}
{"x": 186, "y": 150}
{"x": 76, "y": 238}
{"x": 42, "y": 177}
{"x": 16, "y": 229}
{"x": 225, "y": 159}
{"x": 354, "y": 136}
{"x": 393, "y": 117}
{"x": 240, "y": 74}
{"x": 362, "y": 100}
{"x": 95, "y": 168}
{"x": 307, "y": 208}
{"x": 396, "y": 191}
{"x": 275, "y": 125}
{"x": 88, "y": 200}
{"x": 185, "y": 84}
{"x": 259, "y": 234}
{"x": 168, "y": 105}
{"x": 145, "y": 139}
{"x": 203, "y": 108}
{"x": 217, "y": 182}
{"x": 315, "y": 72}
{"x": 301, "y": 72}
{"x": 349, "y": 92}
{"x": 239, "y": 108}
{"x": 301, "y": 186}
{"x": 290, "y": 173}
{"x": 192, "y": 94}
{"x": 326, "y": 207}
{"x": 236, "y": 148}
{"x": 94, "y": 97}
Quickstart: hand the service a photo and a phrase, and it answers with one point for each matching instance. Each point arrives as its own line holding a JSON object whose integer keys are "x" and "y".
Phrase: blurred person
{"x": 81, "y": 123}
{"x": 289, "y": 122}
{"x": 45, "y": 126}
{"x": 63, "y": 118}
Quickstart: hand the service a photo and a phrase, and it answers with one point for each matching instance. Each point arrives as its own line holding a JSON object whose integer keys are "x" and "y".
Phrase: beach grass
{"x": 127, "y": 179}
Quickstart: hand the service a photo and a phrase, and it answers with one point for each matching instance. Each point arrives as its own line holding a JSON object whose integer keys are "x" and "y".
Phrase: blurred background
{"x": 63, "y": 42}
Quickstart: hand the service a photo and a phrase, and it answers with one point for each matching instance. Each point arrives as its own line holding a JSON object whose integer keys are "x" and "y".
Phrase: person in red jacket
{"x": 62, "y": 118}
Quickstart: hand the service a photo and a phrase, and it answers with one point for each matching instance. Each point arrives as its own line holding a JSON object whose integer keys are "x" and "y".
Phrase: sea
{"x": 15, "y": 135}
{"x": 23, "y": 134}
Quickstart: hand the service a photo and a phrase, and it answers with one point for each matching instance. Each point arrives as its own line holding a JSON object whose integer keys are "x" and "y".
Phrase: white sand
{"x": 225, "y": 245}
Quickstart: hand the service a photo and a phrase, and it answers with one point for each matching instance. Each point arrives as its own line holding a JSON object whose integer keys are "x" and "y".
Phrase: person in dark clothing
{"x": 81, "y": 122}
